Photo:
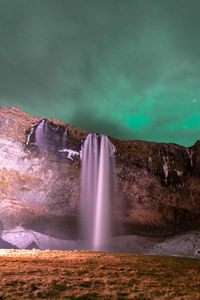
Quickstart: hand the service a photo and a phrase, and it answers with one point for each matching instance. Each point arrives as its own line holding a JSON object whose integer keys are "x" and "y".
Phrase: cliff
{"x": 159, "y": 183}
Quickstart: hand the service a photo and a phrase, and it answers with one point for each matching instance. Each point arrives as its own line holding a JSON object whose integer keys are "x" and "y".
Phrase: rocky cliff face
{"x": 40, "y": 164}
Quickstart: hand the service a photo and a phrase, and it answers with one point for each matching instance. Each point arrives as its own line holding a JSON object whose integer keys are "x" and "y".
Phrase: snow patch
{"x": 18, "y": 237}
{"x": 187, "y": 244}
{"x": 13, "y": 157}
{"x": 29, "y": 136}
{"x": 166, "y": 167}
{"x": 22, "y": 238}
{"x": 70, "y": 153}
{"x": 197, "y": 252}
{"x": 150, "y": 165}
{"x": 113, "y": 150}
{"x": 184, "y": 244}
{"x": 190, "y": 153}
{"x": 179, "y": 173}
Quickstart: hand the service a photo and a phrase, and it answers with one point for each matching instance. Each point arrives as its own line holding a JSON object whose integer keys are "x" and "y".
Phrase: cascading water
{"x": 64, "y": 138}
{"x": 50, "y": 139}
{"x": 97, "y": 181}
{"x": 41, "y": 135}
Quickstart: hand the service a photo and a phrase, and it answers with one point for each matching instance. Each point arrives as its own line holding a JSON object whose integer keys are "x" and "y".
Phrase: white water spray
{"x": 97, "y": 185}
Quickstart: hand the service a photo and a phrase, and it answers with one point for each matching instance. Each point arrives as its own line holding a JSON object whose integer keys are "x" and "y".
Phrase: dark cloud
{"x": 96, "y": 124}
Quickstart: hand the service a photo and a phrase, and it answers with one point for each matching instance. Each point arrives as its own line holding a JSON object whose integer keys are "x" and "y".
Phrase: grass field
{"x": 34, "y": 274}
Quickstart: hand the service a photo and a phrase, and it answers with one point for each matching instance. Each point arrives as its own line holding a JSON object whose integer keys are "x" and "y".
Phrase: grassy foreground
{"x": 33, "y": 274}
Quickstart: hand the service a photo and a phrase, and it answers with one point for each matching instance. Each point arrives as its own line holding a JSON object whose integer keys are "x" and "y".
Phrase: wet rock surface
{"x": 40, "y": 160}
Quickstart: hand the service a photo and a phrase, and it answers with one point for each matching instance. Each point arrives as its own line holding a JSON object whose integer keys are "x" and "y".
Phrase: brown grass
{"x": 96, "y": 275}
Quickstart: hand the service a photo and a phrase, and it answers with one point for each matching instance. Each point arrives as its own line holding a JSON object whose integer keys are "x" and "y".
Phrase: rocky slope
{"x": 40, "y": 164}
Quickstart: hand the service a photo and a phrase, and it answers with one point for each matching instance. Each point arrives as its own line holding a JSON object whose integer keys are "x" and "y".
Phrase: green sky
{"x": 126, "y": 68}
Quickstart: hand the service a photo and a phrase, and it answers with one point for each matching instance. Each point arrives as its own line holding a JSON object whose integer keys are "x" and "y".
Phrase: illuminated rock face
{"x": 40, "y": 179}
{"x": 39, "y": 185}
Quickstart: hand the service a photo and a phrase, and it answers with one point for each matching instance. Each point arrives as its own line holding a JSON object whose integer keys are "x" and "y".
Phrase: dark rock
{"x": 33, "y": 245}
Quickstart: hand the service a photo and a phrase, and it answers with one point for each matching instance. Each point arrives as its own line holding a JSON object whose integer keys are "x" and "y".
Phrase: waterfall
{"x": 64, "y": 138}
{"x": 51, "y": 139}
{"x": 97, "y": 179}
{"x": 41, "y": 136}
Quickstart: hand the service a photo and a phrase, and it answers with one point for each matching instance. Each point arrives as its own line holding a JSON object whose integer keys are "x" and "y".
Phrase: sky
{"x": 129, "y": 69}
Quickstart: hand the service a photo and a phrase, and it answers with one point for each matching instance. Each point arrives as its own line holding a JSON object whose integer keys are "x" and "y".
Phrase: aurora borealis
{"x": 125, "y": 68}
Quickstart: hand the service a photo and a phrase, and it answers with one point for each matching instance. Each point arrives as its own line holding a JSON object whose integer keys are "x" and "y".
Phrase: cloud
{"x": 99, "y": 63}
